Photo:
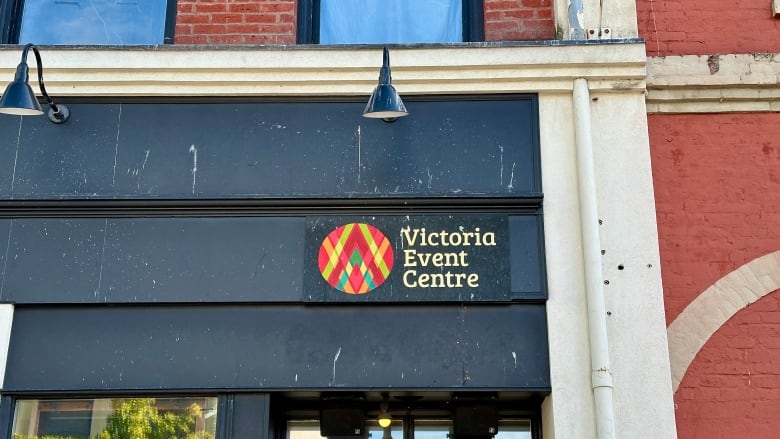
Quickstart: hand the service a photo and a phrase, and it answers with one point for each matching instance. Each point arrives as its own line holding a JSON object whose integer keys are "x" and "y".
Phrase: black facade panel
{"x": 75, "y": 161}
{"x": 256, "y": 259}
{"x": 250, "y": 416}
{"x": 56, "y": 260}
{"x": 484, "y": 148}
{"x": 526, "y": 262}
{"x": 91, "y": 260}
{"x": 135, "y": 348}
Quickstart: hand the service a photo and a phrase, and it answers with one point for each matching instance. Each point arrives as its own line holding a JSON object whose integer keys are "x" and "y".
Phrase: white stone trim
{"x": 733, "y": 292}
{"x": 716, "y": 83}
{"x": 636, "y": 322}
{"x": 775, "y": 7}
{"x": 330, "y": 71}
{"x": 6, "y": 319}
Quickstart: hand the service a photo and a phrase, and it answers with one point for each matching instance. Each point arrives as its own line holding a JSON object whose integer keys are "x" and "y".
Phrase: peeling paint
{"x": 713, "y": 62}
{"x": 194, "y": 152}
{"x": 16, "y": 155}
{"x": 511, "y": 186}
{"x": 335, "y": 359}
{"x": 501, "y": 166}
{"x": 116, "y": 143}
{"x": 626, "y": 85}
{"x": 5, "y": 259}
{"x": 146, "y": 158}
{"x": 576, "y": 20}
{"x": 102, "y": 258}
{"x": 359, "y": 164}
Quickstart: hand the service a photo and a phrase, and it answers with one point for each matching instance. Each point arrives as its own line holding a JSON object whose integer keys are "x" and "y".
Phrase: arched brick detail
{"x": 716, "y": 305}
{"x": 731, "y": 387}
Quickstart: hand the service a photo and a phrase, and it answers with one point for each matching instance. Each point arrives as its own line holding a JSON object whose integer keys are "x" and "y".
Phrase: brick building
{"x": 714, "y": 122}
{"x": 582, "y": 132}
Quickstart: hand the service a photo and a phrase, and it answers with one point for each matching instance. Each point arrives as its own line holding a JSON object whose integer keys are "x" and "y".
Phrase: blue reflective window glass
{"x": 99, "y": 22}
{"x": 394, "y": 21}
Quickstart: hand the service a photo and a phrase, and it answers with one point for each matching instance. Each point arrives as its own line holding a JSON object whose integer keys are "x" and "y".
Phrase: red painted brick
{"x": 520, "y": 13}
{"x": 226, "y": 18}
{"x": 191, "y": 39}
{"x": 536, "y": 3}
{"x": 518, "y": 20}
{"x": 709, "y": 26}
{"x": 205, "y": 8}
{"x": 240, "y": 19}
{"x": 740, "y": 399}
{"x": 279, "y": 6}
{"x": 261, "y": 18}
{"x": 716, "y": 185}
{"x": 245, "y": 7}
{"x": 282, "y": 28}
{"x": 191, "y": 18}
{"x": 500, "y": 4}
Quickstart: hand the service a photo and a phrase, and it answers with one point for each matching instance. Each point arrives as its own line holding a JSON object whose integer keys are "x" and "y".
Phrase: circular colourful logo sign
{"x": 355, "y": 258}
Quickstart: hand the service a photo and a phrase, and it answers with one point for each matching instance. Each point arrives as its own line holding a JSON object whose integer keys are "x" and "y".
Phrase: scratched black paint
{"x": 217, "y": 302}
{"x": 277, "y": 347}
{"x": 239, "y": 259}
{"x": 272, "y": 149}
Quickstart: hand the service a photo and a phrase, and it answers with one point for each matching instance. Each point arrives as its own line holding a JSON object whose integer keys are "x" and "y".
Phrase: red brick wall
{"x": 706, "y": 27}
{"x": 514, "y": 20}
{"x": 235, "y": 22}
{"x": 717, "y": 190}
{"x": 717, "y": 187}
{"x": 274, "y": 21}
{"x": 731, "y": 388}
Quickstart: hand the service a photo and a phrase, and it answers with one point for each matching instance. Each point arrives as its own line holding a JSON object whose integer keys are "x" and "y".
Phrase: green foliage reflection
{"x": 139, "y": 418}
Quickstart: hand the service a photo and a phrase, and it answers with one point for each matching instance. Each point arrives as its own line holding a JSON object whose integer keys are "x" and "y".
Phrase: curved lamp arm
{"x": 20, "y": 99}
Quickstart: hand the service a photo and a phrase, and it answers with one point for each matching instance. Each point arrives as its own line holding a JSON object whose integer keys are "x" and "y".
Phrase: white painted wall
{"x": 571, "y": 403}
{"x": 634, "y": 299}
{"x": 638, "y": 345}
{"x": 634, "y": 295}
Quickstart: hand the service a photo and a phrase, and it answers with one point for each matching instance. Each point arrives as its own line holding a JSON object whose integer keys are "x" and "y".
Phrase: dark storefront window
{"x": 90, "y": 22}
{"x": 136, "y": 418}
{"x": 396, "y": 22}
{"x": 423, "y": 429}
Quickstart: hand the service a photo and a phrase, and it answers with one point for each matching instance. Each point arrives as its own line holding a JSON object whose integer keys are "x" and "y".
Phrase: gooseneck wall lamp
{"x": 385, "y": 103}
{"x": 19, "y": 98}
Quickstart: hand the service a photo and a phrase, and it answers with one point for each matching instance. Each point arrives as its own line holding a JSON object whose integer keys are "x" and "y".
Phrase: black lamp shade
{"x": 19, "y": 97}
{"x": 385, "y": 103}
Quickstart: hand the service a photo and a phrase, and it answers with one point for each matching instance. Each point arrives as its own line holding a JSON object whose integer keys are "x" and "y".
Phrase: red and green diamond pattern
{"x": 355, "y": 258}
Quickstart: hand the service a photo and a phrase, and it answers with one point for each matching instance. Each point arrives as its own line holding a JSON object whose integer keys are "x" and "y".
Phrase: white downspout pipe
{"x": 591, "y": 251}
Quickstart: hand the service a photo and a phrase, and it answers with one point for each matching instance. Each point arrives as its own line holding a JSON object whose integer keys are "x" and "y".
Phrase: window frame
{"x": 11, "y": 22}
{"x": 308, "y": 31}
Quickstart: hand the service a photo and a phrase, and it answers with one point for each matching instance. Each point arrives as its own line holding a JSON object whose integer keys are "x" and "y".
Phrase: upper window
{"x": 88, "y": 22}
{"x": 394, "y": 22}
